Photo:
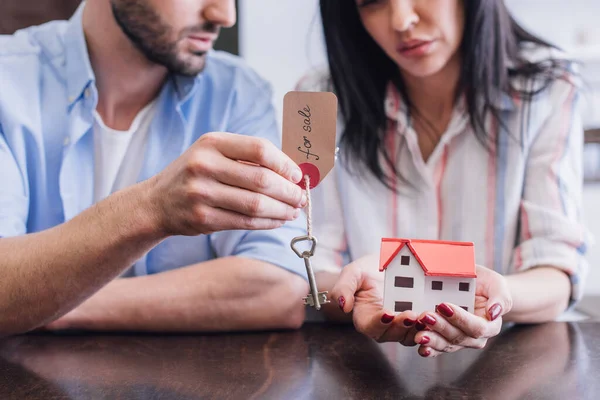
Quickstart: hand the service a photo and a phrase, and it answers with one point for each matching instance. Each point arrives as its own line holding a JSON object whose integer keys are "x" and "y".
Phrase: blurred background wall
{"x": 16, "y": 14}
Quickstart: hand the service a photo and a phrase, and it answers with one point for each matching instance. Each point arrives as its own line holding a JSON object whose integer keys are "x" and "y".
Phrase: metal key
{"x": 314, "y": 298}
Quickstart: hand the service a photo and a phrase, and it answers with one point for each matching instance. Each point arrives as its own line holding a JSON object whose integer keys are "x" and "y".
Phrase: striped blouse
{"x": 520, "y": 203}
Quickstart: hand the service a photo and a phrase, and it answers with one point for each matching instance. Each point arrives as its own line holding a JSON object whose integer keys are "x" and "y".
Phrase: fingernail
{"x": 342, "y": 302}
{"x": 297, "y": 175}
{"x": 296, "y": 213}
{"x": 495, "y": 311}
{"x": 420, "y": 326}
{"x": 429, "y": 320}
{"x": 424, "y": 340}
{"x": 445, "y": 310}
{"x": 386, "y": 319}
{"x": 426, "y": 353}
{"x": 408, "y": 322}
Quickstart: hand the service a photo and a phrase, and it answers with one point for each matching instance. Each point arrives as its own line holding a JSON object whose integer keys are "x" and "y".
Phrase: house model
{"x": 420, "y": 274}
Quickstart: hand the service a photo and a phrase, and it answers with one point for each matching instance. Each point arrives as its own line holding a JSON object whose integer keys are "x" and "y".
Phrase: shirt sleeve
{"x": 552, "y": 230}
{"x": 255, "y": 116}
{"x": 13, "y": 193}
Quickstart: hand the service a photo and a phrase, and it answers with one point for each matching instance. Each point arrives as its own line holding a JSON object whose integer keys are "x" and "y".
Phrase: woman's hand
{"x": 451, "y": 328}
{"x": 360, "y": 289}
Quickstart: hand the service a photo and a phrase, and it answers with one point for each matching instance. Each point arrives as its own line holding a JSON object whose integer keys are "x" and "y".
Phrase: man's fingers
{"x": 255, "y": 150}
{"x": 216, "y": 220}
{"x": 259, "y": 179}
{"x": 246, "y": 202}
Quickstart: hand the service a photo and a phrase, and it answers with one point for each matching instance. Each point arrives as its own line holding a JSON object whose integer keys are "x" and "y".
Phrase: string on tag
{"x": 308, "y": 206}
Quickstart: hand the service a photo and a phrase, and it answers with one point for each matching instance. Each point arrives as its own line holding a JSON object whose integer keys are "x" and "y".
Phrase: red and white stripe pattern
{"x": 519, "y": 202}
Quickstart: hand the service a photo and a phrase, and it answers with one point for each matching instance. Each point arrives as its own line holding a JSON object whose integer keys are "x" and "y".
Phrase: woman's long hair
{"x": 361, "y": 71}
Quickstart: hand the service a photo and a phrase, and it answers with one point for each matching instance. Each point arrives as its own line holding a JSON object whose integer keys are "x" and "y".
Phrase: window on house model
{"x": 465, "y": 308}
{"x": 405, "y": 260}
{"x": 463, "y": 286}
{"x": 402, "y": 281}
{"x": 437, "y": 285}
{"x": 403, "y": 306}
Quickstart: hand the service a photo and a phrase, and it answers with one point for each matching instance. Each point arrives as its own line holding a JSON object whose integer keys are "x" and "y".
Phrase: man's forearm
{"x": 226, "y": 294}
{"x": 46, "y": 274}
{"x": 539, "y": 295}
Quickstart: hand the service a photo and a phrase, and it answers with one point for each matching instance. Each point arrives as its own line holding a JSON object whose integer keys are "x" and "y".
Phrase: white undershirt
{"x": 118, "y": 155}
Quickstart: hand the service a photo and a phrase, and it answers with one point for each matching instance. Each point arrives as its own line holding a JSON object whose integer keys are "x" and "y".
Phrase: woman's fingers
{"x": 409, "y": 338}
{"x": 401, "y": 329}
{"x": 457, "y": 327}
{"x": 350, "y": 281}
{"x": 456, "y": 322}
{"x": 354, "y": 292}
{"x": 428, "y": 352}
{"x": 441, "y": 344}
{"x": 385, "y": 327}
{"x": 494, "y": 287}
{"x": 375, "y": 327}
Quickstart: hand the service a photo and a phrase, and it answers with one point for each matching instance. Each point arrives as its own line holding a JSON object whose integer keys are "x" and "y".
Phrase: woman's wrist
{"x": 539, "y": 294}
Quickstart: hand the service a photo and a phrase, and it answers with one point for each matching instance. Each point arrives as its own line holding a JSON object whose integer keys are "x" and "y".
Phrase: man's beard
{"x": 154, "y": 38}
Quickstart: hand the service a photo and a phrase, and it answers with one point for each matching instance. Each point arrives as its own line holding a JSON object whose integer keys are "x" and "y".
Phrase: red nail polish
{"x": 386, "y": 319}
{"x": 342, "y": 302}
{"x": 424, "y": 340}
{"x": 495, "y": 311}
{"x": 409, "y": 322}
{"x": 420, "y": 326}
{"x": 426, "y": 353}
{"x": 429, "y": 320}
{"x": 445, "y": 310}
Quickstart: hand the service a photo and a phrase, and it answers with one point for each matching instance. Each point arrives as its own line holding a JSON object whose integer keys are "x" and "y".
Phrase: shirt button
{"x": 71, "y": 99}
{"x": 87, "y": 92}
{"x": 67, "y": 141}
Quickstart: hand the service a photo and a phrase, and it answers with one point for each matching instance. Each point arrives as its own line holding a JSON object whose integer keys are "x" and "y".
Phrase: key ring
{"x": 305, "y": 253}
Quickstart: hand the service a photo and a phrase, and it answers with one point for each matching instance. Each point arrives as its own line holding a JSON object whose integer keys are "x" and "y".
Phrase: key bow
{"x": 305, "y": 253}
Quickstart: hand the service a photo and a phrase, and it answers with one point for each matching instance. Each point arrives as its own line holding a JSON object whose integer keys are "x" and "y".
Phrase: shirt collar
{"x": 79, "y": 69}
{"x": 185, "y": 85}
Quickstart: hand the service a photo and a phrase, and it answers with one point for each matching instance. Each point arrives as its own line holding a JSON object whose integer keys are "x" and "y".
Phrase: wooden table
{"x": 551, "y": 361}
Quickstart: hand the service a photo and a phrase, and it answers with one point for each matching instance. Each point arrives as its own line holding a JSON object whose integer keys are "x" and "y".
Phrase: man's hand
{"x": 226, "y": 181}
{"x": 359, "y": 289}
{"x": 451, "y": 328}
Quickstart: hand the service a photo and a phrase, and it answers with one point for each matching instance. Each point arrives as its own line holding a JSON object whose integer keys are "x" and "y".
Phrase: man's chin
{"x": 191, "y": 69}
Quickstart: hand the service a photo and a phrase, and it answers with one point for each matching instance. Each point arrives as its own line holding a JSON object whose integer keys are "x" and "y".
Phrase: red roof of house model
{"x": 437, "y": 258}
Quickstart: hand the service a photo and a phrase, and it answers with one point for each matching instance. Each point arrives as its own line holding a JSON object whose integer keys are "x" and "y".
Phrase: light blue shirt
{"x": 47, "y": 99}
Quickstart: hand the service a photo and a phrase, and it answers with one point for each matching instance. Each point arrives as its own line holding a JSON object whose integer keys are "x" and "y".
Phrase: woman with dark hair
{"x": 455, "y": 124}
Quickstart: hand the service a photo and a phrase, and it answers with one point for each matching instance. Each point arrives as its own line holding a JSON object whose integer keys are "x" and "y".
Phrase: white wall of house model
{"x": 407, "y": 287}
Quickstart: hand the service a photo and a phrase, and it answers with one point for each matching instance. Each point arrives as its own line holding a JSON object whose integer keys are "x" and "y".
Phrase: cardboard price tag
{"x": 309, "y": 132}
